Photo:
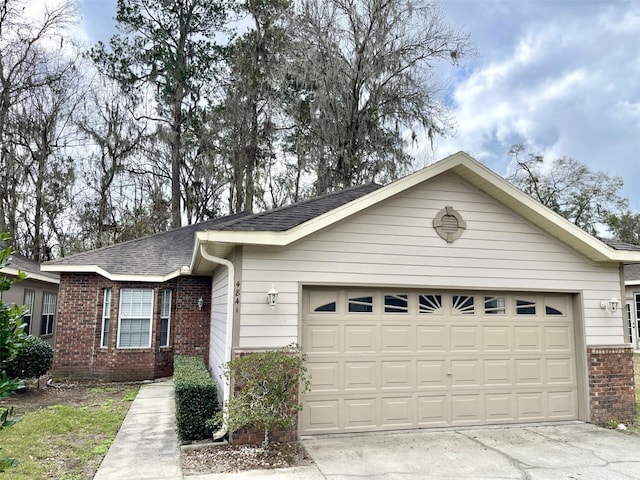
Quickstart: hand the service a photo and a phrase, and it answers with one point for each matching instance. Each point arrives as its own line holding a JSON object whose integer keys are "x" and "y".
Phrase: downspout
{"x": 226, "y": 388}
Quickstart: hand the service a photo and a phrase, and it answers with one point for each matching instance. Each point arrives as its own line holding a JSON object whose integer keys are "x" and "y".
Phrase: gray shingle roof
{"x": 166, "y": 252}
{"x": 24, "y": 264}
{"x": 619, "y": 245}
{"x": 290, "y": 216}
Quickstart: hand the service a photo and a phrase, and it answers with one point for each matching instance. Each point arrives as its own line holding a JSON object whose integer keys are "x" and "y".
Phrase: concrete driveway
{"x": 556, "y": 451}
{"x": 566, "y": 451}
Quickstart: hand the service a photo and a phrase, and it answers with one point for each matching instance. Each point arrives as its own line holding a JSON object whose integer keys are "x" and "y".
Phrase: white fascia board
{"x": 468, "y": 168}
{"x": 30, "y": 275}
{"x": 115, "y": 277}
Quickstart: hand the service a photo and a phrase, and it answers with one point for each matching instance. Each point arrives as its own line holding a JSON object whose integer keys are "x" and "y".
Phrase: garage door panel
{"x": 324, "y": 377}
{"x": 483, "y": 358}
{"x": 398, "y": 411}
{"x": 360, "y": 413}
{"x": 529, "y": 406}
{"x": 557, "y": 338}
{"x": 398, "y": 339}
{"x": 560, "y": 371}
{"x": 499, "y": 406}
{"x": 433, "y": 410}
{"x": 398, "y": 375}
{"x": 465, "y": 338}
{"x": 432, "y": 338}
{"x": 527, "y": 338}
{"x": 431, "y": 373}
{"x": 562, "y": 405}
{"x": 497, "y": 372}
{"x": 466, "y": 409}
{"x": 360, "y": 376}
{"x": 360, "y": 339}
{"x": 496, "y": 338}
{"x": 321, "y": 416}
{"x": 528, "y": 371}
{"x": 323, "y": 339}
{"x": 465, "y": 373}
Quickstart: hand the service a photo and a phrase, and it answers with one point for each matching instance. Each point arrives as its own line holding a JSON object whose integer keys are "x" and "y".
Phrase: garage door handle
{"x": 449, "y": 373}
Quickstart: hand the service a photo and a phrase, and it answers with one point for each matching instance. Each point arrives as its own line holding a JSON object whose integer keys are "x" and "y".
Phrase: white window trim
{"x": 45, "y": 311}
{"x": 28, "y": 312}
{"x": 106, "y": 315}
{"x": 168, "y": 317}
{"x": 150, "y": 319}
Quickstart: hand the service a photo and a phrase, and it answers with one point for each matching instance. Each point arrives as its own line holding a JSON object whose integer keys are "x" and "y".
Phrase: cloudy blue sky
{"x": 560, "y": 76}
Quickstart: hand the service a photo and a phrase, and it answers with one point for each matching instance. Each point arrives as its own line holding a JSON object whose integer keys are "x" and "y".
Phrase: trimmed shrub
{"x": 196, "y": 398}
{"x": 33, "y": 359}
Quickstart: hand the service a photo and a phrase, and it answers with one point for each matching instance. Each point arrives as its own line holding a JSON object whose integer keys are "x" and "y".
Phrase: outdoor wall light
{"x": 200, "y": 303}
{"x": 610, "y": 305}
{"x": 272, "y": 297}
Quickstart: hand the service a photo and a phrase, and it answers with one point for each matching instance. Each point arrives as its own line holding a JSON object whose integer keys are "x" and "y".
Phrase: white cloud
{"x": 561, "y": 77}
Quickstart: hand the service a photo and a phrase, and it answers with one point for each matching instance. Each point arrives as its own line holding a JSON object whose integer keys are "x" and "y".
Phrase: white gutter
{"x": 226, "y": 388}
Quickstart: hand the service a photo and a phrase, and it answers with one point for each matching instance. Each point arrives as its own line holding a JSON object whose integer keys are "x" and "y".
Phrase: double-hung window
{"x": 48, "y": 313}
{"x": 165, "y": 318}
{"x": 136, "y": 312}
{"x": 106, "y": 318}
{"x": 29, "y": 300}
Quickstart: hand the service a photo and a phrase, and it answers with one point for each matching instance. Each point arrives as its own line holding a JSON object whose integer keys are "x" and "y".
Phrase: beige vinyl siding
{"x": 218, "y": 325}
{"x": 394, "y": 243}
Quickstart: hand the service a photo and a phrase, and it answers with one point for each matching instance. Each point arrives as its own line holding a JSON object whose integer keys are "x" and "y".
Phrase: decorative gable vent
{"x": 449, "y": 224}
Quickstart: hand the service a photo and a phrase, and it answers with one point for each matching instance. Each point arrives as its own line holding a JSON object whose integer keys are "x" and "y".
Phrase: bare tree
{"x": 585, "y": 197}
{"x": 26, "y": 46}
{"x": 360, "y": 81}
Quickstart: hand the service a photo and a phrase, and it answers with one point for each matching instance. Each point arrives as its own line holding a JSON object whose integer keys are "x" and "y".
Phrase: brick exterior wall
{"x": 78, "y": 351}
{"x": 611, "y": 384}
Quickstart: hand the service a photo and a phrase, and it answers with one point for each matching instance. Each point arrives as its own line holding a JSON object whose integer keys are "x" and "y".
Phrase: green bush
{"x": 196, "y": 398}
{"x": 267, "y": 387}
{"x": 32, "y": 360}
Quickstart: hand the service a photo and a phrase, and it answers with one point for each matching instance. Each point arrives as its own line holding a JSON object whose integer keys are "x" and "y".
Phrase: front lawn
{"x": 64, "y": 429}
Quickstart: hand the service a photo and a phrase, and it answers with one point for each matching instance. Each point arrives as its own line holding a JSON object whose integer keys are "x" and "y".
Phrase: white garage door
{"x": 386, "y": 360}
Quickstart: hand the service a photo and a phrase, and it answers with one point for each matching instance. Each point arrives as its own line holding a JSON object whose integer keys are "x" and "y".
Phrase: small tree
{"x": 266, "y": 394}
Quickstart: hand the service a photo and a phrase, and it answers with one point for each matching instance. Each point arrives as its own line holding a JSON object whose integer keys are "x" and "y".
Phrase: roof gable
{"x": 220, "y": 242}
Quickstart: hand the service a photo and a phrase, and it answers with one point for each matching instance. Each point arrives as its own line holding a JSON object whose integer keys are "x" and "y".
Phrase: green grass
{"x": 65, "y": 442}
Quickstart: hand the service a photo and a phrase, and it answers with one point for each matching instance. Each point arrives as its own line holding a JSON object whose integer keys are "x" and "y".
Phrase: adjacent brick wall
{"x": 611, "y": 384}
{"x": 78, "y": 352}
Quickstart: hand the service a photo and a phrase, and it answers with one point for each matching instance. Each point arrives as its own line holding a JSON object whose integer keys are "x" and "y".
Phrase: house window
{"x": 48, "y": 313}
{"x": 106, "y": 317}
{"x": 165, "y": 316}
{"x": 136, "y": 309}
{"x": 29, "y": 300}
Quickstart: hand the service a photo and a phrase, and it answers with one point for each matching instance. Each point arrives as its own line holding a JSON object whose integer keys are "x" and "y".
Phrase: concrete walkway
{"x": 146, "y": 448}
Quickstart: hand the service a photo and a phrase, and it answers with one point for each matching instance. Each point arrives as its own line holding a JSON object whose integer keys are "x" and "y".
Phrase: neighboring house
{"x": 632, "y": 304}
{"x": 448, "y": 297}
{"x": 38, "y": 294}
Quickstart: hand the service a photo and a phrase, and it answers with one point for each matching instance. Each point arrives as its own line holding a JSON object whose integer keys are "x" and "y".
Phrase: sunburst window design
{"x": 361, "y": 305}
{"x": 463, "y": 304}
{"x": 525, "y": 307}
{"x": 494, "y": 306}
{"x": 429, "y": 304}
{"x": 396, "y": 303}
